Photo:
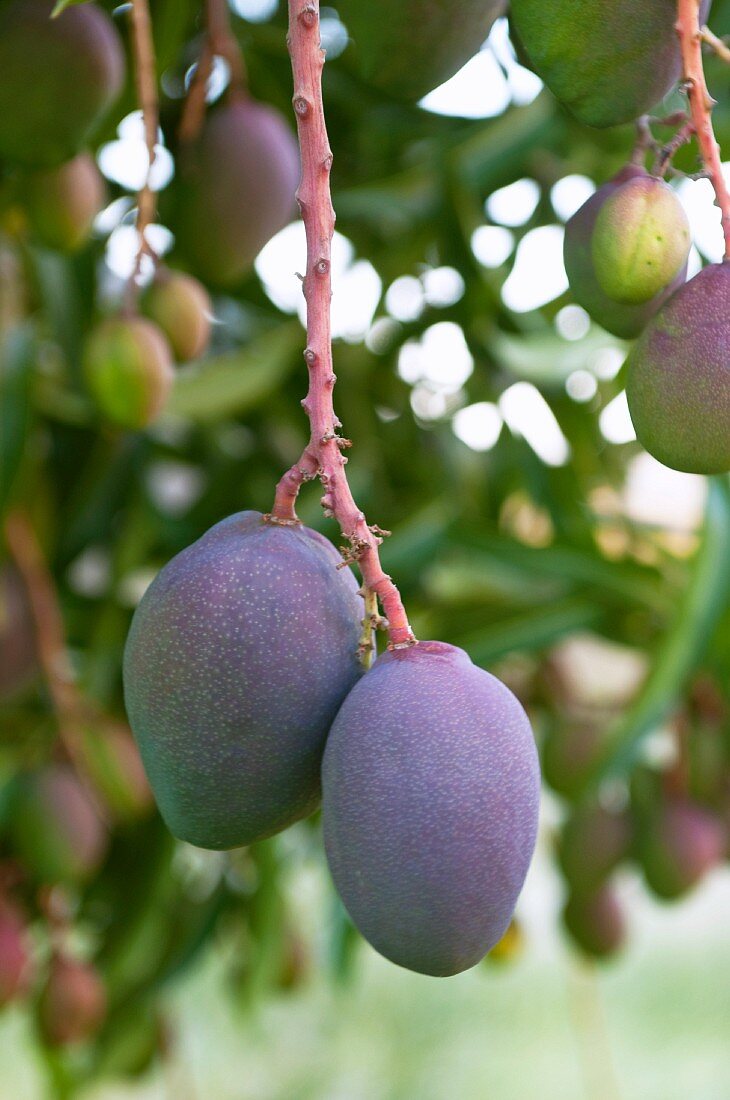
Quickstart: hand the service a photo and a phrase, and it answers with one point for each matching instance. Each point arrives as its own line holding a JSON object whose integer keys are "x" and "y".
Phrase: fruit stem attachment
{"x": 145, "y": 77}
{"x": 323, "y": 457}
{"x": 690, "y": 33}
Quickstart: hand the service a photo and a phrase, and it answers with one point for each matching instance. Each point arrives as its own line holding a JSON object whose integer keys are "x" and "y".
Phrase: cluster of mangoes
{"x": 626, "y": 249}
{"x": 672, "y": 823}
{"x": 234, "y": 191}
{"x": 55, "y": 831}
{"x": 242, "y": 679}
{"x": 246, "y": 697}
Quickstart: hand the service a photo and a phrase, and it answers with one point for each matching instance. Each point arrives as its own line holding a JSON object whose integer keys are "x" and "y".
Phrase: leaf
{"x": 17, "y": 357}
{"x": 534, "y": 630}
{"x": 233, "y": 383}
{"x": 704, "y": 602}
{"x": 61, "y": 5}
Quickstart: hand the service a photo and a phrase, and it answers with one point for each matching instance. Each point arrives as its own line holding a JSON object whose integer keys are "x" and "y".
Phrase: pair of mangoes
{"x": 244, "y": 691}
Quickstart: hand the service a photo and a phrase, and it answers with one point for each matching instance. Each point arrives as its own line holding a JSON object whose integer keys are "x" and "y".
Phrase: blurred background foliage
{"x": 490, "y": 438}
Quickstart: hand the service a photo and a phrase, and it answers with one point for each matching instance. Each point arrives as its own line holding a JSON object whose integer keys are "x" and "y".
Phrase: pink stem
{"x": 701, "y": 103}
{"x": 323, "y": 456}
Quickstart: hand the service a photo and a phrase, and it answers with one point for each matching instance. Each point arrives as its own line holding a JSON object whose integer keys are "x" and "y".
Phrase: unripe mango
{"x": 621, "y": 318}
{"x": 569, "y": 752}
{"x": 606, "y": 62}
{"x": 678, "y": 844}
{"x": 111, "y": 761}
{"x": 641, "y": 240}
{"x": 430, "y": 786}
{"x": 59, "y": 78}
{"x": 235, "y": 189}
{"x": 182, "y": 308}
{"x": 593, "y": 842}
{"x": 129, "y": 371}
{"x": 62, "y": 202}
{"x": 238, "y": 658}
{"x": 678, "y": 377}
{"x": 72, "y": 1004}
{"x": 595, "y": 922}
{"x": 408, "y": 48}
{"x": 56, "y": 829}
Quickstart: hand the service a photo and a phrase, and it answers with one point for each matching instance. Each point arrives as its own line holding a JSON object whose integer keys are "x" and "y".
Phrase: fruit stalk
{"x": 50, "y": 637}
{"x": 690, "y": 35}
{"x": 323, "y": 457}
{"x": 146, "y": 84}
{"x": 219, "y": 41}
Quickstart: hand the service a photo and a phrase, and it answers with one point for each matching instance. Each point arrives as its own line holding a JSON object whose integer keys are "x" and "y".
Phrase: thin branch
{"x": 219, "y": 41}
{"x": 720, "y": 47}
{"x": 701, "y": 105}
{"x": 666, "y": 152}
{"x": 48, "y": 623}
{"x": 72, "y": 711}
{"x": 323, "y": 456}
{"x": 146, "y": 82}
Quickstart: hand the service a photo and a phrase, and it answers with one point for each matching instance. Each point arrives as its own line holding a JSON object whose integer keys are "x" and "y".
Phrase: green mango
{"x": 410, "y": 47}
{"x": 59, "y": 78}
{"x": 607, "y": 63}
{"x": 128, "y": 367}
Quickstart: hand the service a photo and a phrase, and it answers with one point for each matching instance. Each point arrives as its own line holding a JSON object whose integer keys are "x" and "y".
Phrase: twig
{"x": 701, "y": 104}
{"x": 667, "y": 151}
{"x": 323, "y": 456}
{"x": 219, "y": 41}
{"x": 146, "y": 83}
{"x": 720, "y": 47}
{"x": 48, "y": 622}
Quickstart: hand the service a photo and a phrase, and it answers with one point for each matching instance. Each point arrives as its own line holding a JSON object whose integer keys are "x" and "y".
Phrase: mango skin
{"x": 595, "y": 922}
{"x": 60, "y": 77}
{"x": 641, "y": 241}
{"x": 593, "y": 842}
{"x": 236, "y": 189}
{"x": 57, "y": 831}
{"x": 238, "y": 658}
{"x": 607, "y": 63}
{"x": 678, "y": 380}
{"x": 678, "y": 845}
{"x": 621, "y": 319}
{"x": 73, "y": 1002}
{"x": 430, "y": 786}
{"x": 182, "y": 308}
{"x": 408, "y": 48}
{"x": 62, "y": 202}
{"x": 128, "y": 369}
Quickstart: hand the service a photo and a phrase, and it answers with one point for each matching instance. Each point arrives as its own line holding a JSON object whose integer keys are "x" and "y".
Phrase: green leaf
{"x": 61, "y": 5}
{"x": 534, "y": 630}
{"x": 233, "y": 383}
{"x": 17, "y": 357}
{"x": 704, "y": 602}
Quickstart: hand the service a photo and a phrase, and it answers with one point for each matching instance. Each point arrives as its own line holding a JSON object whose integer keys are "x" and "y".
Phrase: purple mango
{"x": 430, "y": 805}
{"x": 236, "y": 189}
{"x": 678, "y": 382}
{"x": 238, "y": 658}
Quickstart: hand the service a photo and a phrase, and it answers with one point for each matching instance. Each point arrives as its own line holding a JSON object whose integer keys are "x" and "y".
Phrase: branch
{"x": 146, "y": 83}
{"x": 48, "y": 623}
{"x": 323, "y": 456}
{"x": 701, "y": 104}
{"x": 219, "y": 41}
{"x": 720, "y": 47}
